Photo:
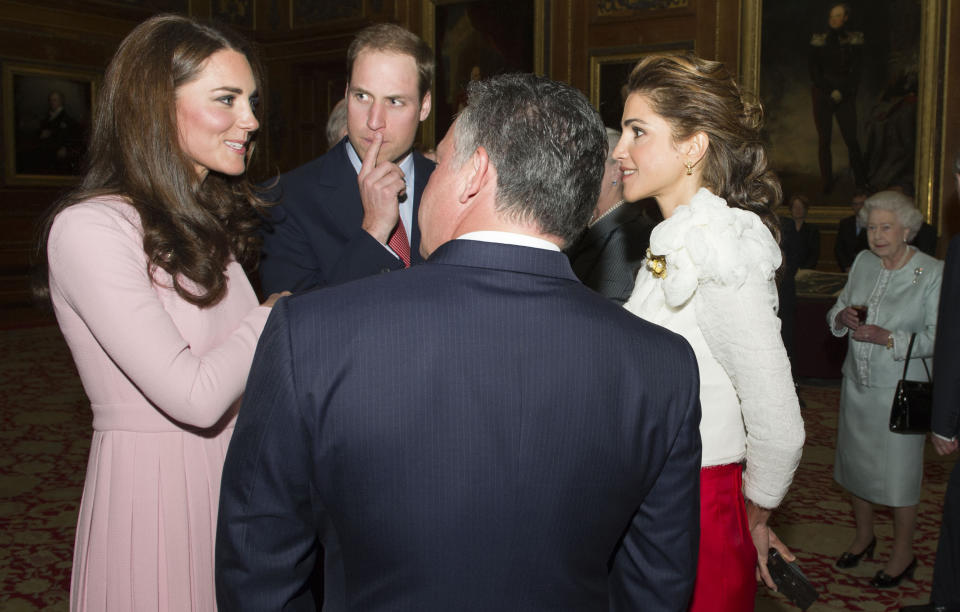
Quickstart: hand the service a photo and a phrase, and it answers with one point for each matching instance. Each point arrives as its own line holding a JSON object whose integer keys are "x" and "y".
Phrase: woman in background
{"x": 691, "y": 142}
{"x": 144, "y": 279}
{"x": 899, "y": 287}
{"x": 804, "y": 237}
{"x": 801, "y": 249}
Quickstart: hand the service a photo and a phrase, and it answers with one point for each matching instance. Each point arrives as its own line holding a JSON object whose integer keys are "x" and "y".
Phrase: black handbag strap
{"x": 906, "y": 362}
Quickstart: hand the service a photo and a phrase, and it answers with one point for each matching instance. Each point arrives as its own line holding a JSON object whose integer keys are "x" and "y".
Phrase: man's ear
{"x": 476, "y": 172}
{"x": 425, "y": 106}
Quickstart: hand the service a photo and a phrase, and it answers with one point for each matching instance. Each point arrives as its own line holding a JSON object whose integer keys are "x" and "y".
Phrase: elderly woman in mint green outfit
{"x": 900, "y": 286}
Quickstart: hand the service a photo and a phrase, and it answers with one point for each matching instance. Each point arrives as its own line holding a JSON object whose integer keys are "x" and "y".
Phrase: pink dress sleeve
{"x": 98, "y": 270}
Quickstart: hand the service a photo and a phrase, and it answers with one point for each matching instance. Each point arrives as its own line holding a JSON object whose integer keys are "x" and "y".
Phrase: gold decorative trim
{"x": 927, "y": 170}
{"x": 750, "y": 46}
{"x": 569, "y": 78}
{"x": 539, "y": 36}
{"x": 620, "y": 8}
{"x": 428, "y": 13}
{"x": 946, "y": 156}
{"x": 598, "y": 61}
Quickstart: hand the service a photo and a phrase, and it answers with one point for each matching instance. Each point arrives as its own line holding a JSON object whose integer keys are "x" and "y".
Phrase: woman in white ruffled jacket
{"x": 691, "y": 142}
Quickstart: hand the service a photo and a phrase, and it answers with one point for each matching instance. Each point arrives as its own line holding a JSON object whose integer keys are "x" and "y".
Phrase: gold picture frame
{"x": 608, "y": 75}
{"x": 43, "y": 145}
{"x": 539, "y": 9}
{"x": 930, "y": 124}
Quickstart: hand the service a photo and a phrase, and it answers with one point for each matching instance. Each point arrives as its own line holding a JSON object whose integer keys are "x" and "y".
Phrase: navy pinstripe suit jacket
{"x": 480, "y": 432}
{"x": 314, "y": 237}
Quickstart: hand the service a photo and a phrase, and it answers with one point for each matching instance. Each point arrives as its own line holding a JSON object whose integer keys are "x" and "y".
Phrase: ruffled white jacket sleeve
{"x": 725, "y": 260}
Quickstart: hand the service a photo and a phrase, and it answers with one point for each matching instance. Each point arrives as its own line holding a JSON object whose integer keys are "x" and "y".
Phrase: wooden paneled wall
{"x": 47, "y": 35}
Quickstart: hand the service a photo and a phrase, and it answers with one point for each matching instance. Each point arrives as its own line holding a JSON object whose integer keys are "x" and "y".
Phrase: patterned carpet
{"x": 45, "y": 429}
{"x": 815, "y": 520}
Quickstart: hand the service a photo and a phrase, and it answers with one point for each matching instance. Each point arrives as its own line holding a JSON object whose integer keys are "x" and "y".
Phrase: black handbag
{"x": 912, "y": 403}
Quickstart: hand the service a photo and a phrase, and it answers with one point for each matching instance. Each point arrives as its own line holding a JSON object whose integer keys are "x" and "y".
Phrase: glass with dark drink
{"x": 861, "y": 313}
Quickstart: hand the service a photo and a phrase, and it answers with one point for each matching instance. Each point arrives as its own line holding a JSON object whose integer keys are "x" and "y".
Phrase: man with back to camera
{"x": 536, "y": 449}
{"x": 352, "y": 212}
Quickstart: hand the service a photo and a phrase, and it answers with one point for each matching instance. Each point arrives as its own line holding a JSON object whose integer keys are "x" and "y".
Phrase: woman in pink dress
{"x": 145, "y": 277}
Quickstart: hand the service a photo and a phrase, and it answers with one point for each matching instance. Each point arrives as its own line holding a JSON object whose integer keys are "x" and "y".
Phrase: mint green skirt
{"x": 872, "y": 462}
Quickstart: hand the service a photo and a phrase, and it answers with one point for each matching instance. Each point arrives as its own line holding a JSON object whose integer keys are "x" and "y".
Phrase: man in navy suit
{"x": 945, "y": 595}
{"x": 352, "y": 212}
{"x": 480, "y": 432}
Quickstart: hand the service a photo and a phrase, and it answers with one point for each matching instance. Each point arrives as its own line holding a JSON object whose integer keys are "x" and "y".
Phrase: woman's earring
{"x": 689, "y": 165}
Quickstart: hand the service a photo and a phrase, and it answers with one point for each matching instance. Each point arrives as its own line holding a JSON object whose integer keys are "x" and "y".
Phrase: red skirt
{"x": 726, "y": 564}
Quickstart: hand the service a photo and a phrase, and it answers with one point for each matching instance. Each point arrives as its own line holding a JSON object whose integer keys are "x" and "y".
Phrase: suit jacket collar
{"x": 602, "y": 230}
{"x": 334, "y": 171}
{"x": 505, "y": 257}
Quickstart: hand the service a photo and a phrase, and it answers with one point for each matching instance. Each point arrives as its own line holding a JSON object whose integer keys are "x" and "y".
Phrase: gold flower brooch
{"x": 657, "y": 264}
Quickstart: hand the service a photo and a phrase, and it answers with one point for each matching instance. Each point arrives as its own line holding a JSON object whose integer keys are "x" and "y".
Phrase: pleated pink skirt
{"x": 147, "y": 523}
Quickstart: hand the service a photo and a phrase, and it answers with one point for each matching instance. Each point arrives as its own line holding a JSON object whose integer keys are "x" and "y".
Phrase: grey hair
{"x": 897, "y": 203}
{"x": 337, "y": 123}
{"x": 613, "y": 137}
{"x": 547, "y": 144}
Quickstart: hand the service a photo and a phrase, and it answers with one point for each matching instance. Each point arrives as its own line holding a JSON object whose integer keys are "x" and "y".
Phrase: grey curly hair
{"x": 897, "y": 203}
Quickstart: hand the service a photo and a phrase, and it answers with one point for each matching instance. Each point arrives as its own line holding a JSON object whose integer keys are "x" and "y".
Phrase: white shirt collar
{"x": 510, "y": 238}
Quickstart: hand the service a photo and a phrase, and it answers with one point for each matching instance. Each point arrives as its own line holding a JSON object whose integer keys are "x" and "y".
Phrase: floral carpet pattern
{"x": 45, "y": 428}
{"x": 816, "y": 522}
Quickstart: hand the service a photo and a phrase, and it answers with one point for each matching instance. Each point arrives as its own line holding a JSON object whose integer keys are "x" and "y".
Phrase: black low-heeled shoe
{"x": 884, "y": 580}
{"x": 849, "y": 559}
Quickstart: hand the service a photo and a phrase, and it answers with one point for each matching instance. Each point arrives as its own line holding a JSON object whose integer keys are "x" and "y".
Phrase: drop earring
{"x": 689, "y": 166}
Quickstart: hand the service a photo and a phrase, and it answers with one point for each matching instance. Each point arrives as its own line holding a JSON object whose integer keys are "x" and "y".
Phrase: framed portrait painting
{"x": 473, "y": 39}
{"x": 47, "y": 113}
{"x": 609, "y": 73}
{"x": 851, "y": 95}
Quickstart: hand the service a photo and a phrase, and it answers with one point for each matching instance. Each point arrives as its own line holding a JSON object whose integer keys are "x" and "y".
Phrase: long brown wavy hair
{"x": 697, "y": 95}
{"x": 191, "y": 225}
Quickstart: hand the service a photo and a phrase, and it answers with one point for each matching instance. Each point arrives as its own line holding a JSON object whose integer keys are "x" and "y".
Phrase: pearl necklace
{"x": 903, "y": 259}
{"x": 606, "y": 212}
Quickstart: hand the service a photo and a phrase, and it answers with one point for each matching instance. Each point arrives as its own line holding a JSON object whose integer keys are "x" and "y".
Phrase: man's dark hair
{"x": 547, "y": 144}
{"x": 391, "y": 38}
